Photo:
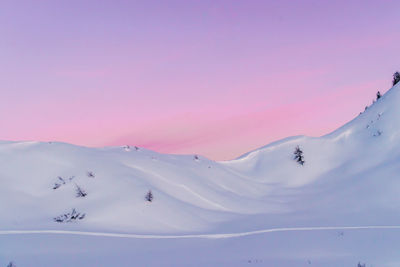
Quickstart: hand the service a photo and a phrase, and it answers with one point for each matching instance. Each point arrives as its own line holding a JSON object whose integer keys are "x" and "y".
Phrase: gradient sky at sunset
{"x": 217, "y": 78}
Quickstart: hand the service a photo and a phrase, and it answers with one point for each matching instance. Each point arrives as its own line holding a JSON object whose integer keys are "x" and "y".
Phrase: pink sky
{"x": 217, "y": 78}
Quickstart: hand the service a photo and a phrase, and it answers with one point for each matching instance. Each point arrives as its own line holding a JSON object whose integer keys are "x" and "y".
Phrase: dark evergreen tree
{"x": 149, "y": 196}
{"x": 378, "y": 95}
{"x": 396, "y": 78}
{"x": 298, "y": 155}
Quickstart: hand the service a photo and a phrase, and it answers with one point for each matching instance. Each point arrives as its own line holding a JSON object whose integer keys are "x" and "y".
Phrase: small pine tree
{"x": 378, "y": 95}
{"x": 298, "y": 155}
{"x": 149, "y": 196}
{"x": 396, "y": 78}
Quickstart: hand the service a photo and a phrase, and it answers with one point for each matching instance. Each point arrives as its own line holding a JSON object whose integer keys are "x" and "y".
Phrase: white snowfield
{"x": 349, "y": 186}
{"x": 207, "y": 236}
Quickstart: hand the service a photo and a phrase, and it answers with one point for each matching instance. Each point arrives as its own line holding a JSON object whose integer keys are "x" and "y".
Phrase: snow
{"x": 233, "y": 209}
{"x": 329, "y": 248}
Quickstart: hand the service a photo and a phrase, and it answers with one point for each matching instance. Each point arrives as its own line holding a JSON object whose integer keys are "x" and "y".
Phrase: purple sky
{"x": 217, "y": 78}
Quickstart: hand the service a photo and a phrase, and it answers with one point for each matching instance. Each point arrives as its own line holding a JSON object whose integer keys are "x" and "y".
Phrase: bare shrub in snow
{"x": 196, "y": 157}
{"x": 56, "y": 185}
{"x": 11, "y": 264}
{"x": 396, "y": 78}
{"x": 128, "y": 148}
{"x": 69, "y": 217}
{"x": 360, "y": 265}
{"x": 149, "y": 196}
{"x": 378, "y": 95}
{"x": 61, "y": 181}
{"x": 90, "y": 174}
{"x": 378, "y": 133}
{"x": 298, "y": 155}
{"x": 80, "y": 192}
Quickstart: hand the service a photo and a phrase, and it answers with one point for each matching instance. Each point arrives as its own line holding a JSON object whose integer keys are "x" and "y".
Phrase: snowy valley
{"x": 65, "y": 205}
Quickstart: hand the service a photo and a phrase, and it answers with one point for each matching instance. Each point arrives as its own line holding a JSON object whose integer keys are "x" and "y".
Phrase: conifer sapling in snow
{"x": 378, "y": 95}
{"x": 149, "y": 196}
{"x": 298, "y": 155}
{"x": 396, "y": 78}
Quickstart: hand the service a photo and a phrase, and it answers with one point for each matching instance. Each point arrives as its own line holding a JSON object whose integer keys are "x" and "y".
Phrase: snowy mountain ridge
{"x": 348, "y": 175}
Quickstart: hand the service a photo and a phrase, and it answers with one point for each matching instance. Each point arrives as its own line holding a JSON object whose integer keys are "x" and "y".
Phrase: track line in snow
{"x": 205, "y": 236}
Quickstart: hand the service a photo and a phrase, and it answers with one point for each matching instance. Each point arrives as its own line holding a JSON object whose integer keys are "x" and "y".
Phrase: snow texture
{"x": 265, "y": 209}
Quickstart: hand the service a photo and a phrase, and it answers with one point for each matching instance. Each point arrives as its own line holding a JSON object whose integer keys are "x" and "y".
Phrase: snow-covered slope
{"x": 340, "y": 208}
{"x": 350, "y": 177}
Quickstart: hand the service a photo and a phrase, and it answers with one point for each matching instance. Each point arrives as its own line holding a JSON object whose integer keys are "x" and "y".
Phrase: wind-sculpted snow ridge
{"x": 349, "y": 177}
{"x": 194, "y": 236}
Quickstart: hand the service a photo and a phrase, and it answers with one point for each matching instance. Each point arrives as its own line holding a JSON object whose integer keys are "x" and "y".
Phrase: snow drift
{"x": 350, "y": 177}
